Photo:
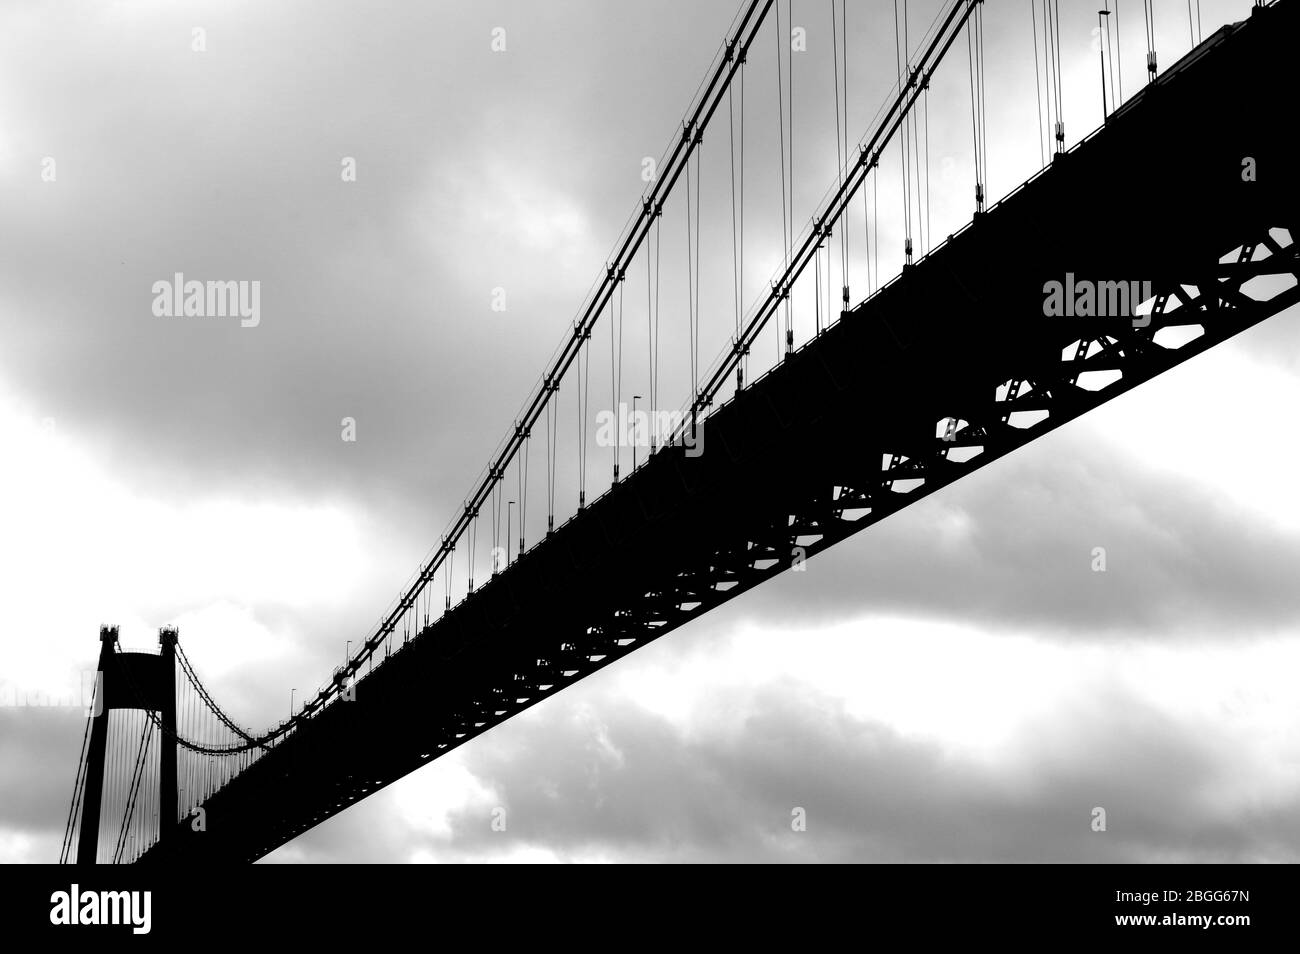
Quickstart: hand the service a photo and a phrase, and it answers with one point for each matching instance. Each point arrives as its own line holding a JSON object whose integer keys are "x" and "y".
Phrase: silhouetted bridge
{"x": 944, "y": 369}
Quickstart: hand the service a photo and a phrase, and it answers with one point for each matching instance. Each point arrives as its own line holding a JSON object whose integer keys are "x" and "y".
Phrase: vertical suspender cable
{"x": 1191, "y": 22}
{"x": 496, "y": 526}
{"x": 584, "y": 395}
{"x": 654, "y": 377}
{"x": 844, "y": 160}
{"x": 1038, "y": 91}
{"x": 694, "y": 287}
{"x": 550, "y": 466}
{"x": 1119, "y": 60}
{"x": 866, "y": 237}
{"x": 1054, "y": 27}
{"x": 1149, "y": 22}
{"x": 473, "y": 546}
{"x": 1049, "y": 99}
{"x": 613, "y": 385}
{"x": 690, "y": 281}
{"x": 183, "y": 756}
{"x": 817, "y": 287}
{"x": 1103, "y": 24}
{"x": 1053, "y": 74}
{"x": 841, "y": 134}
{"x": 1110, "y": 52}
{"x": 586, "y": 416}
{"x": 742, "y": 366}
{"x": 620, "y": 381}
{"x": 789, "y": 304}
{"x": 106, "y": 800}
{"x": 582, "y": 496}
{"x": 903, "y": 140}
{"x": 735, "y": 252}
{"x": 1053, "y": 12}
{"x": 913, "y": 131}
{"x": 925, "y": 110}
{"x": 984, "y": 113}
{"x": 650, "y": 318}
{"x": 699, "y": 274}
{"x": 909, "y": 131}
{"x": 523, "y": 492}
{"x": 875, "y": 219}
{"x": 780, "y": 122}
{"x": 974, "y": 117}
{"x": 829, "y": 293}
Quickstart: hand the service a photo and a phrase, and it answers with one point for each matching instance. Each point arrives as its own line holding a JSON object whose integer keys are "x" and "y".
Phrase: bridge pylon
{"x": 130, "y": 680}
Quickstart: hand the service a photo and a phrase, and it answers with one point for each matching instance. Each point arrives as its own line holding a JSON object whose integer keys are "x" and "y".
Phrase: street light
{"x": 1103, "y": 32}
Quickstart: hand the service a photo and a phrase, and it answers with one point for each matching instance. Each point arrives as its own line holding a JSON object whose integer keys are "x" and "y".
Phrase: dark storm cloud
{"x": 37, "y": 777}
{"x": 376, "y": 294}
{"x": 477, "y": 171}
{"x": 619, "y": 782}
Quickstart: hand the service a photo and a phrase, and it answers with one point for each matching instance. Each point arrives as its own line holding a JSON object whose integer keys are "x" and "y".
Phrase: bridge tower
{"x": 131, "y": 681}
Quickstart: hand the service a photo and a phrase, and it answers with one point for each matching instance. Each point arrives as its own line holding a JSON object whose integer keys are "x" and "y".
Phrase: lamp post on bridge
{"x": 1102, "y": 33}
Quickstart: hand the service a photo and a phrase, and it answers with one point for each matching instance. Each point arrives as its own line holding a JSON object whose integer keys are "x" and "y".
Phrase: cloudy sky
{"x": 954, "y": 684}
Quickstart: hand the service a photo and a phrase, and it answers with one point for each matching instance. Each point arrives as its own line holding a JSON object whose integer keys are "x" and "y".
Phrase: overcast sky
{"x": 953, "y": 684}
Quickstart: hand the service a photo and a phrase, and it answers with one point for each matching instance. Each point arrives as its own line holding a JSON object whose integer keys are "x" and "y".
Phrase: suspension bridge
{"x": 1164, "y": 231}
